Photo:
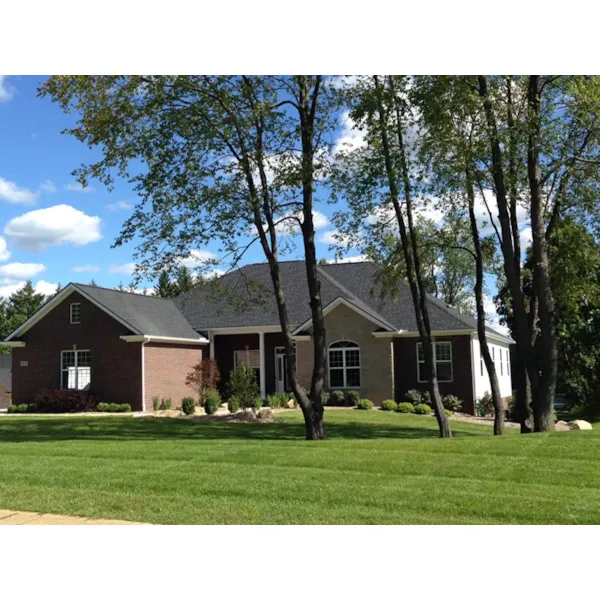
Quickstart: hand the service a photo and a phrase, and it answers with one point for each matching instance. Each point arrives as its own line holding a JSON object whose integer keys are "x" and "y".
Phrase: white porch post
{"x": 261, "y": 349}
{"x": 211, "y": 347}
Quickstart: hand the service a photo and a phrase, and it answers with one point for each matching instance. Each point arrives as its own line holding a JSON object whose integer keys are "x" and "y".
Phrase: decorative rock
{"x": 561, "y": 426}
{"x": 579, "y": 424}
{"x": 265, "y": 415}
{"x": 290, "y": 404}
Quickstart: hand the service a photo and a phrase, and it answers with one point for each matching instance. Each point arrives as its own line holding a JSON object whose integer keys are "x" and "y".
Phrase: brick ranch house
{"x": 127, "y": 347}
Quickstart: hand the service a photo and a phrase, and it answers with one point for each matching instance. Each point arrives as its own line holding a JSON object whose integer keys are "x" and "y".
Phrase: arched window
{"x": 344, "y": 365}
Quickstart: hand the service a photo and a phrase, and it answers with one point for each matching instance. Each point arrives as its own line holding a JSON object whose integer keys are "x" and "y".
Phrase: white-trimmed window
{"x": 442, "y": 355}
{"x": 507, "y": 354}
{"x": 76, "y": 369}
{"x": 344, "y": 365}
{"x": 75, "y": 313}
{"x": 501, "y": 363}
{"x": 250, "y": 358}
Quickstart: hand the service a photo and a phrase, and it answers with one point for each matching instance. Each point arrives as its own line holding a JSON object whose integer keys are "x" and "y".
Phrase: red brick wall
{"x": 116, "y": 365}
{"x": 165, "y": 369}
{"x": 405, "y": 369}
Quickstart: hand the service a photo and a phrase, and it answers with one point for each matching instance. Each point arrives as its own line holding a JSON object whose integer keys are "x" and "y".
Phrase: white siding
{"x": 481, "y": 383}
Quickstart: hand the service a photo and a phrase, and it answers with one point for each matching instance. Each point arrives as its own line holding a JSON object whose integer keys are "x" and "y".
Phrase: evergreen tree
{"x": 184, "y": 280}
{"x": 23, "y": 304}
{"x": 93, "y": 283}
{"x": 164, "y": 287}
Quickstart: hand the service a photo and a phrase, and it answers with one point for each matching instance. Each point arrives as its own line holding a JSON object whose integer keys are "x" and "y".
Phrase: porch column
{"x": 211, "y": 346}
{"x": 261, "y": 349}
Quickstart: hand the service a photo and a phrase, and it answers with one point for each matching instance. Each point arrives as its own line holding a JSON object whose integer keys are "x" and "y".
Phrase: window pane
{"x": 336, "y": 358}
{"x": 68, "y": 359}
{"x": 444, "y": 371}
{"x": 353, "y": 358}
{"x": 421, "y": 371}
{"x": 420, "y": 354}
{"x": 443, "y": 351}
{"x": 84, "y": 359}
{"x": 352, "y": 377}
{"x": 83, "y": 378}
{"x": 250, "y": 358}
{"x": 336, "y": 378}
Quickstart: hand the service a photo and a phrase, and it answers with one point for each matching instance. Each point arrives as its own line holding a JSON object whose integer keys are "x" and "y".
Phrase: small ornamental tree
{"x": 205, "y": 375}
{"x": 243, "y": 385}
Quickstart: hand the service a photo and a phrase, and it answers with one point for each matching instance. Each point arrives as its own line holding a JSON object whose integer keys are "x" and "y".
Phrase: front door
{"x": 280, "y": 374}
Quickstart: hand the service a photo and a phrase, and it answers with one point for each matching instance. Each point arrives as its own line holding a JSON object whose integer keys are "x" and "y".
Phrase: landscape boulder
{"x": 265, "y": 415}
{"x": 580, "y": 424}
{"x": 290, "y": 404}
{"x": 561, "y": 426}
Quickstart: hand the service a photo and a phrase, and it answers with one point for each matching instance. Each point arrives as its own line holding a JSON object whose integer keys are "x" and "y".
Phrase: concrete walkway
{"x": 17, "y": 517}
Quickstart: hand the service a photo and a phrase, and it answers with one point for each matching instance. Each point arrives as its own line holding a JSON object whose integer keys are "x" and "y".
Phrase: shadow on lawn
{"x": 129, "y": 429}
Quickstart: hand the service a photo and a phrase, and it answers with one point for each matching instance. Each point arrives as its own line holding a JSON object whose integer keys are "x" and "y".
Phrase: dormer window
{"x": 75, "y": 313}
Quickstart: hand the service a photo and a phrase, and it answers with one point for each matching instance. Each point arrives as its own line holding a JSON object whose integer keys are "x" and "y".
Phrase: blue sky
{"x": 52, "y": 229}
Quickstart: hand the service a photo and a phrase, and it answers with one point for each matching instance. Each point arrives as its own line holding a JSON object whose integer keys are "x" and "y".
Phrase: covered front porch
{"x": 261, "y": 348}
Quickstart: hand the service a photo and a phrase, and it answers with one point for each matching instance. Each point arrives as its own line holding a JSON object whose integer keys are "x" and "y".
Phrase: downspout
{"x": 143, "y": 378}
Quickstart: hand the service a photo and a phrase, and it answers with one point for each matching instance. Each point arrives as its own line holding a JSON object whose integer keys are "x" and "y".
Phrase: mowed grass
{"x": 375, "y": 468}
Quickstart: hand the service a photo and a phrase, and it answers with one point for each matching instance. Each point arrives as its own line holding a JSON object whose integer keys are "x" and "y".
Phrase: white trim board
{"x": 163, "y": 339}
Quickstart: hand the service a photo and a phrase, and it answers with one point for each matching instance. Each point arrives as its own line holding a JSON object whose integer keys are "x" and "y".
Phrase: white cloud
{"x": 525, "y": 238}
{"x": 198, "y": 258}
{"x": 126, "y": 269}
{"x": 86, "y": 269}
{"x": 60, "y": 224}
{"x": 492, "y": 317}
{"x": 47, "y": 187}
{"x": 4, "y": 252}
{"x": 334, "y": 237}
{"x": 348, "y": 259}
{"x": 350, "y": 138}
{"x": 17, "y": 271}
{"x": 11, "y": 192}
{"x": 6, "y": 91}
{"x": 77, "y": 187}
{"x": 41, "y": 287}
{"x": 288, "y": 224}
{"x": 118, "y": 206}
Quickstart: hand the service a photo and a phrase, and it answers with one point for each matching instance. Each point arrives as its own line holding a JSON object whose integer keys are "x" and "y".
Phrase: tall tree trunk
{"x": 524, "y": 349}
{"x": 481, "y": 333}
{"x": 424, "y": 330}
{"x": 307, "y": 108}
{"x": 543, "y": 402}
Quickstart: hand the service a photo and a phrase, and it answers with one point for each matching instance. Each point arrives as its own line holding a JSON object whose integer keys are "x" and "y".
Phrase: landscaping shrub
{"x": 32, "y": 407}
{"x": 243, "y": 385}
{"x": 422, "y": 409}
{"x": 18, "y": 408}
{"x": 485, "y": 405}
{"x": 364, "y": 404}
{"x": 255, "y": 403}
{"x": 337, "y": 398}
{"x": 452, "y": 403}
{"x": 155, "y": 403}
{"x": 233, "y": 405}
{"x": 113, "y": 407}
{"x": 389, "y": 405}
{"x": 188, "y": 405}
{"x": 405, "y": 407}
{"x": 352, "y": 398}
{"x": 274, "y": 401}
{"x": 165, "y": 404}
{"x": 325, "y": 398}
{"x": 414, "y": 397}
{"x": 65, "y": 401}
{"x": 448, "y": 413}
{"x": 212, "y": 401}
{"x": 204, "y": 376}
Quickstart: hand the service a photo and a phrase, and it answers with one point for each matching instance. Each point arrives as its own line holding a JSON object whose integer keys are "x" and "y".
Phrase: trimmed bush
{"x": 255, "y": 403}
{"x": 155, "y": 403}
{"x": 485, "y": 405}
{"x": 274, "y": 401}
{"x": 364, "y": 404}
{"x": 325, "y": 398}
{"x": 65, "y": 401}
{"x": 212, "y": 401}
{"x": 18, "y": 408}
{"x": 449, "y": 413}
{"x": 422, "y": 409}
{"x": 352, "y": 398}
{"x": 243, "y": 385}
{"x": 414, "y": 397}
{"x": 233, "y": 405}
{"x": 113, "y": 407}
{"x": 32, "y": 408}
{"x": 452, "y": 403}
{"x": 389, "y": 405}
{"x": 337, "y": 398}
{"x": 405, "y": 407}
{"x": 188, "y": 406}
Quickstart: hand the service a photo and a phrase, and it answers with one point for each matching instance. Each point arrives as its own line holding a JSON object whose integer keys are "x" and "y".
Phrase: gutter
{"x": 164, "y": 339}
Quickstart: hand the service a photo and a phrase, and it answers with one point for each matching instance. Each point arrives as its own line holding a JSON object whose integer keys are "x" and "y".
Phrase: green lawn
{"x": 376, "y": 468}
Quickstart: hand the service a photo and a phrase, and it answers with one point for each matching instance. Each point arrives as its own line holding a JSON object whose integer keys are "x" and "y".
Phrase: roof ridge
{"x": 100, "y": 287}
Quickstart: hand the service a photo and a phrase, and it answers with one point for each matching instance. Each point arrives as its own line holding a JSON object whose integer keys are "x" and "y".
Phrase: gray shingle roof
{"x": 145, "y": 315}
{"x": 254, "y": 303}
